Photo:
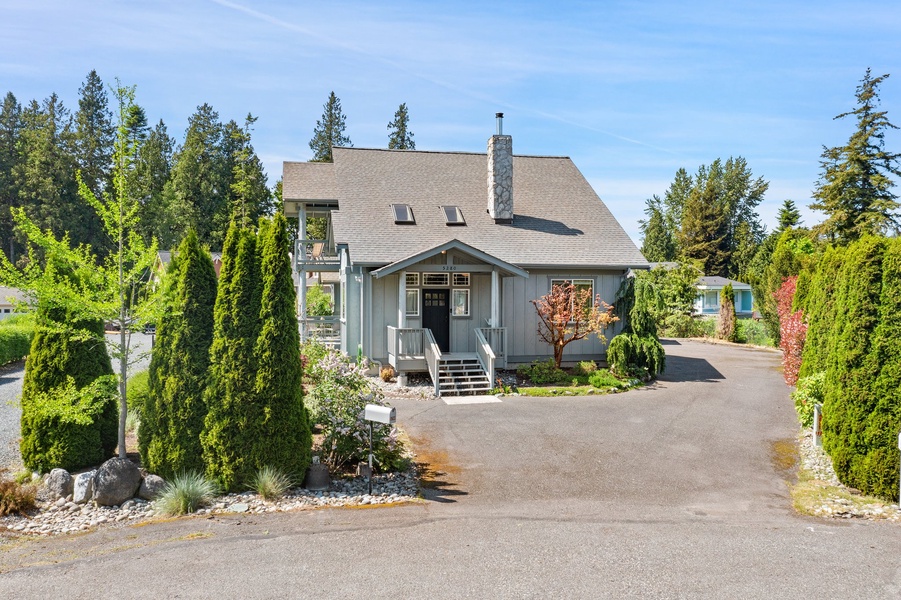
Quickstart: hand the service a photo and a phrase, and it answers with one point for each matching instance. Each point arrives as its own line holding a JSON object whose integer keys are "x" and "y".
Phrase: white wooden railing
{"x": 497, "y": 339}
{"x": 325, "y": 329}
{"x": 486, "y": 355}
{"x": 432, "y": 358}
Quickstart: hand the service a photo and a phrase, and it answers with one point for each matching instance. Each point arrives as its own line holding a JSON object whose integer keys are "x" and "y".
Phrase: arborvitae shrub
{"x": 726, "y": 328}
{"x": 66, "y": 351}
{"x": 180, "y": 403}
{"x": 852, "y": 365}
{"x": 64, "y": 427}
{"x": 231, "y": 400}
{"x": 819, "y": 306}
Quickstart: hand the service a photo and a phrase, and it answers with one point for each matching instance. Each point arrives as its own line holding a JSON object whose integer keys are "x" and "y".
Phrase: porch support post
{"x": 495, "y": 298}
{"x": 401, "y": 319}
{"x": 301, "y": 259}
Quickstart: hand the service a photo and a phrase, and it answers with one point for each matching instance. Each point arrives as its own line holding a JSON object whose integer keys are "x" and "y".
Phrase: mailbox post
{"x": 377, "y": 414}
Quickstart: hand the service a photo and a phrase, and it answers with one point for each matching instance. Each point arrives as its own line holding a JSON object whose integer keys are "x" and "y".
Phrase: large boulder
{"x": 59, "y": 484}
{"x": 84, "y": 487}
{"x": 116, "y": 481}
{"x": 151, "y": 487}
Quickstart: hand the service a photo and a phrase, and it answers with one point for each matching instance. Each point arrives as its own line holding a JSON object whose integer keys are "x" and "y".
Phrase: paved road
{"x": 676, "y": 491}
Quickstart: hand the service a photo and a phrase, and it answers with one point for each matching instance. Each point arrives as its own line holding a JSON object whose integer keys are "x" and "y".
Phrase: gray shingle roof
{"x": 721, "y": 282}
{"x": 558, "y": 218}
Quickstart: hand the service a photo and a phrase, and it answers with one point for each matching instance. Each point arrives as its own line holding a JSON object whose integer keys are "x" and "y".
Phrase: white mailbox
{"x": 380, "y": 414}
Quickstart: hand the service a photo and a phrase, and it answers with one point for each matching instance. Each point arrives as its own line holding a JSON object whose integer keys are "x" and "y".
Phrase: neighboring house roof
{"x": 559, "y": 220}
{"x": 10, "y": 295}
{"x": 165, "y": 257}
{"x": 721, "y": 282}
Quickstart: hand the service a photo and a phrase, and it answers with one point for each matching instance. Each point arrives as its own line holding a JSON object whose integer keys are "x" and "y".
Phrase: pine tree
{"x": 228, "y": 437}
{"x": 789, "y": 216}
{"x": 399, "y": 136}
{"x": 855, "y": 186}
{"x": 283, "y": 434}
{"x": 329, "y": 131}
{"x": 704, "y": 230}
{"x": 94, "y": 134}
{"x": 852, "y": 366}
{"x": 160, "y": 218}
{"x": 250, "y": 196}
{"x": 10, "y": 128}
{"x": 657, "y": 244}
{"x": 179, "y": 403}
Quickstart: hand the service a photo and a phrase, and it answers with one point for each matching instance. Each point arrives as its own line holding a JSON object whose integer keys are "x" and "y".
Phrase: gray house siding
{"x": 521, "y": 319}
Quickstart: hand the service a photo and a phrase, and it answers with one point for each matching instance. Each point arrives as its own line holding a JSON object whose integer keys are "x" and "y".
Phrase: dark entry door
{"x": 436, "y": 316}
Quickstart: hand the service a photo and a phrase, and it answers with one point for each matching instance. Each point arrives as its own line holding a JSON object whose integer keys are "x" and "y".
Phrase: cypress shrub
{"x": 879, "y": 464}
{"x": 16, "y": 334}
{"x": 726, "y": 329}
{"x": 155, "y": 420}
{"x": 637, "y": 350}
{"x": 283, "y": 438}
{"x": 852, "y": 367}
{"x": 68, "y": 354}
{"x": 227, "y": 440}
{"x": 820, "y": 307}
{"x": 179, "y": 402}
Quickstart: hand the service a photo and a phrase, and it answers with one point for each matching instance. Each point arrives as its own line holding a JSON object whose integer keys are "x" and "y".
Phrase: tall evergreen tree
{"x": 821, "y": 311}
{"x": 160, "y": 217}
{"x": 10, "y": 128}
{"x": 855, "y": 185}
{"x": 228, "y": 436}
{"x": 279, "y": 377}
{"x": 789, "y": 216}
{"x": 250, "y": 196}
{"x": 399, "y": 135}
{"x": 179, "y": 403}
{"x": 94, "y": 134}
{"x": 329, "y": 131}
{"x": 704, "y": 230}
{"x": 657, "y": 243}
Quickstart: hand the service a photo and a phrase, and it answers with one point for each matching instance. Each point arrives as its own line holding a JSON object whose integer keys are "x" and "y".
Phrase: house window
{"x": 711, "y": 300}
{"x": 460, "y": 301}
{"x": 461, "y": 279}
{"x": 436, "y": 279}
{"x": 412, "y": 279}
{"x": 579, "y": 285}
{"x": 413, "y": 303}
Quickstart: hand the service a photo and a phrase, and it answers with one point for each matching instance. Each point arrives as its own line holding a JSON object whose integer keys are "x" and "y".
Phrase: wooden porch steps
{"x": 461, "y": 374}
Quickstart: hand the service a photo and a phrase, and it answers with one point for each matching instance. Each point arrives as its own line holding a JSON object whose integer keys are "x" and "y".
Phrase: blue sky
{"x": 631, "y": 91}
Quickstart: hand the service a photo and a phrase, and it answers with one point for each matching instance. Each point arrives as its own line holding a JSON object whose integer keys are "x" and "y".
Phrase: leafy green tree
{"x": 852, "y": 366}
{"x": 789, "y": 216}
{"x": 227, "y": 438}
{"x": 283, "y": 437}
{"x": 179, "y": 402}
{"x": 856, "y": 182}
{"x": 94, "y": 290}
{"x": 329, "y": 131}
{"x": 399, "y": 135}
{"x": 319, "y": 303}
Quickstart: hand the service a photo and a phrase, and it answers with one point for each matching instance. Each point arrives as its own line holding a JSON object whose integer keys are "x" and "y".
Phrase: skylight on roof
{"x": 403, "y": 214}
{"x": 453, "y": 215}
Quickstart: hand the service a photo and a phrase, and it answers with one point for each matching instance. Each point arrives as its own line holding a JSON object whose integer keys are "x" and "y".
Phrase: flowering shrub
{"x": 792, "y": 330}
{"x": 339, "y": 394}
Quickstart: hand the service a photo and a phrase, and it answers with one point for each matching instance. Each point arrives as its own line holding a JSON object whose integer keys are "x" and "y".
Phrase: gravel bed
{"x": 819, "y": 464}
{"x": 66, "y": 517}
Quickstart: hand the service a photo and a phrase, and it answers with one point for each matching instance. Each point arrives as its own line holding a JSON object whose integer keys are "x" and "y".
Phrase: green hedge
{"x": 70, "y": 428}
{"x": 16, "y": 334}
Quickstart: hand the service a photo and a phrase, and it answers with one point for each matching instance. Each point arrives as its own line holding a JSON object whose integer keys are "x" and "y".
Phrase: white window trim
{"x": 461, "y": 275}
{"x": 412, "y": 279}
{"x": 467, "y": 306}
{"x": 437, "y": 285}
{"x": 418, "y": 302}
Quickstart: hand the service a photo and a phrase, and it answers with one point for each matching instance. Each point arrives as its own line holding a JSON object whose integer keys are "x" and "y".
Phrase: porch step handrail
{"x": 497, "y": 339}
{"x": 432, "y": 357}
{"x": 486, "y": 356}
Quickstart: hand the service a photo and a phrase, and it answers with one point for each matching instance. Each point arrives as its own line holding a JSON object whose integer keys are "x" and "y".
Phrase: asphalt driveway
{"x": 674, "y": 491}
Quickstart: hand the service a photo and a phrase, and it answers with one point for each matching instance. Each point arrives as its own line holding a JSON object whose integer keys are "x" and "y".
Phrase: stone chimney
{"x": 500, "y": 175}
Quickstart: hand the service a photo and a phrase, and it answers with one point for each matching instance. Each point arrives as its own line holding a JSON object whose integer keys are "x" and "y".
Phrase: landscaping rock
{"x": 151, "y": 487}
{"x": 116, "y": 481}
{"x": 59, "y": 483}
{"x": 83, "y": 489}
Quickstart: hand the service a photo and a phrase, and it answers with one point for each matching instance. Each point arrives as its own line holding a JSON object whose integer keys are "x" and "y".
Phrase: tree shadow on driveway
{"x": 684, "y": 368}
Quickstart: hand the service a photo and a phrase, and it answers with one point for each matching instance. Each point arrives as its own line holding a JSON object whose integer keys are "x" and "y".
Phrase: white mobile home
{"x": 438, "y": 254}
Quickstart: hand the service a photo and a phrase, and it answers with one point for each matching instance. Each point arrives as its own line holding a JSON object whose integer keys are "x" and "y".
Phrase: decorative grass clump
{"x": 271, "y": 483}
{"x": 185, "y": 494}
{"x": 132, "y": 420}
{"x": 15, "y": 497}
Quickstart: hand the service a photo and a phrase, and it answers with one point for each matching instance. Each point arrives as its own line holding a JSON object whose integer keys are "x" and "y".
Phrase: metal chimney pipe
{"x": 500, "y": 123}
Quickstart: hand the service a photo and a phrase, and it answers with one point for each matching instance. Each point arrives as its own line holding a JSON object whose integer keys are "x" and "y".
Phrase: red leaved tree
{"x": 792, "y": 329}
{"x": 568, "y": 313}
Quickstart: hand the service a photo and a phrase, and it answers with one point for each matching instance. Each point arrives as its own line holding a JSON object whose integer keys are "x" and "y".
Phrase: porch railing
{"x": 313, "y": 253}
{"x": 486, "y": 355}
{"x": 325, "y": 329}
{"x": 497, "y": 339}
{"x": 432, "y": 358}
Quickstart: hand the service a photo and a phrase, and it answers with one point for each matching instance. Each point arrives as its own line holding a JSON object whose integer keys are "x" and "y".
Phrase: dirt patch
{"x": 784, "y": 456}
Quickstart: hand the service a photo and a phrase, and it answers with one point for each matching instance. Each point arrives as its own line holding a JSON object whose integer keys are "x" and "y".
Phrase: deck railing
{"x": 314, "y": 253}
{"x": 497, "y": 339}
{"x": 432, "y": 358}
{"x": 325, "y": 329}
{"x": 486, "y": 355}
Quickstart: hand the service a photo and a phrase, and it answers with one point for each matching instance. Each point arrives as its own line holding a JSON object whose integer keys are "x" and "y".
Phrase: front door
{"x": 436, "y": 316}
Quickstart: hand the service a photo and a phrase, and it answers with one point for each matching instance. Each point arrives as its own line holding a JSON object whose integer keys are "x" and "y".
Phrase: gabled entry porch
{"x": 448, "y": 320}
